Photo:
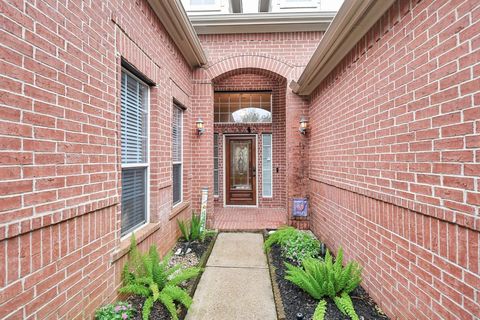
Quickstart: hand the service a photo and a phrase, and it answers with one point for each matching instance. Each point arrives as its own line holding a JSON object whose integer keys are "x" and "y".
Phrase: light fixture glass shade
{"x": 303, "y": 125}
{"x": 200, "y": 127}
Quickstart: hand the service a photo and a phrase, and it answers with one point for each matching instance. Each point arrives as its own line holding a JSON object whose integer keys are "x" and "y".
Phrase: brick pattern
{"x": 249, "y": 80}
{"x": 60, "y": 170}
{"x": 399, "y": 116}
{"x": 249, "y": 218}
{"x": 394, "y": 159}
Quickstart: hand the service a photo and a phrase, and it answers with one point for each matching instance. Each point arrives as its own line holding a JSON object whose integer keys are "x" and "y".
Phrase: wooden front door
{"x": 240, "y": 165}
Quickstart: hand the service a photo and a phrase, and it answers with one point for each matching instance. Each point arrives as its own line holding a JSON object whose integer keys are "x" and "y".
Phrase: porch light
{"x": 303, "y": 125}
{"x": 200, "y": 128}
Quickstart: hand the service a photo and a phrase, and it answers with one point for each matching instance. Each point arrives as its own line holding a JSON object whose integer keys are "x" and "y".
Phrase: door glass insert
{"x": 240, "y": 178}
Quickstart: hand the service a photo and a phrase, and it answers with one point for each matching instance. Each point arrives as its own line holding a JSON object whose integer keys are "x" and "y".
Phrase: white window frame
{"x": 271, "y": 165}
{"x": 140, "y": 165}
{"x": 182, "y": 111}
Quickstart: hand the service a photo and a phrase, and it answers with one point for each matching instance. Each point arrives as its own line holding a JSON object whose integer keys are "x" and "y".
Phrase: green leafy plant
{"x": 279, "y": 237}
{"x": 119, "y": 310}
{"x": 191, "y": 230}
{"x": 295, "y": 244}
{"x": 327, "y": 279}
{"x": 148, "y": 276}
{"x": 300, "y": 246}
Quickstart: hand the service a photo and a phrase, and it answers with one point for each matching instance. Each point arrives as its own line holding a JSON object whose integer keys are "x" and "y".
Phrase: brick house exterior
{"x": 390, "y": 162}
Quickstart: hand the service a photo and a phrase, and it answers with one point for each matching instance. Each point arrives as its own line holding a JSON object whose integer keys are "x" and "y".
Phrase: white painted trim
{"x": 352, "y": 21}
{"x": 262, "y": 22}
{"x": 182, "y": 112}
{"x": 173, "y": 16}
{"x": 225, "y": 173}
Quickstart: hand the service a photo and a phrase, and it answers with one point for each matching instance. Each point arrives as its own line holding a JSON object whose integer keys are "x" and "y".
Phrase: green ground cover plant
{"x": 330, "y": 279}
{"x": 295, "y": 244}
{"x": 115, "y": 311}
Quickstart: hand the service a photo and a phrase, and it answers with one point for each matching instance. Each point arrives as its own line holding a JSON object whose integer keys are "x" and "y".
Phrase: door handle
{"x": 254, "y": 172}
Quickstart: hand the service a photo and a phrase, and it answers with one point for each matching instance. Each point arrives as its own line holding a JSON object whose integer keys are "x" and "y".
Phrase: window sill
{"x": 178, "y": 209}
{"x": 140, "y": 235}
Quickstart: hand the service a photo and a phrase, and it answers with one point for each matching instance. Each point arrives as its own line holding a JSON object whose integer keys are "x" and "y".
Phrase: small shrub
{"x": 327, "y": 279}
{"x": 147, "y": 276}
{"x": 300, "y": 246}
{"x": 119, "y": 310}
{"x": 295, "y": 244}
{"x": 191, "y": 231}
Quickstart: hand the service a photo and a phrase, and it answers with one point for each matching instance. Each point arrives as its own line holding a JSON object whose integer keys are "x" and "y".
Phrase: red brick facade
{"x": 390, "y": 161}
{"x": 60, "y": 246}
{"x": 394, "y": 159}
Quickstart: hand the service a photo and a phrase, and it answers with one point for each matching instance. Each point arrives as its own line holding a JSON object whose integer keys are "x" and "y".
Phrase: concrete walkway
{"x": 236, "y": 282}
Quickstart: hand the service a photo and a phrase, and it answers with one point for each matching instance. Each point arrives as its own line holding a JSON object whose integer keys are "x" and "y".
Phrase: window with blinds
{"x": 215, "y": 164}
{"x": 267, "y": 180}
{"x": 177, "y": 156}
{"x": 134, "y": 122}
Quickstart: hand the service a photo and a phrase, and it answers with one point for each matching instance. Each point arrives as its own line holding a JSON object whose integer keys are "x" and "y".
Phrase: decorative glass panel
{"x": 215, "y": 164}
{"x": 177, "y": 146}
{"x": 243, "y": 107}
{"x": 240, "y": 178}
{"x": 267, "y": 165}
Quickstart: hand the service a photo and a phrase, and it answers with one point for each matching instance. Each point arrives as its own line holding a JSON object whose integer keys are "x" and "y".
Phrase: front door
{"x": 240, "y": 170}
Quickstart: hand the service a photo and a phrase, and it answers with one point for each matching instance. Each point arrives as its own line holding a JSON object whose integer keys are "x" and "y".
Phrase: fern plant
{"x": 327, "y": 279}
{"x": 281, "y": 236}
{"x": 191, "y": 231}
{"x": 148, "y": 276}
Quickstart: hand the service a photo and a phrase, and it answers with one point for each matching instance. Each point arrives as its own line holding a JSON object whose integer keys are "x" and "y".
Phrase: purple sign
{"x": 300, "y": 207}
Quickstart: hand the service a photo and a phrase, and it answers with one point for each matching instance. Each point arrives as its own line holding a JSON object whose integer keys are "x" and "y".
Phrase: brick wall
{"x": 248, "y": 80}
{"x": 60, "y": 247}
{"x": 282, "y": 54}
{"x": 394, "y": 157}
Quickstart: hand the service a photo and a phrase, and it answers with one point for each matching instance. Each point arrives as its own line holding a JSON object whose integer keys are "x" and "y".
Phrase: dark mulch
{"x": 296, "y": 300}
{"x": 159, "y": 312}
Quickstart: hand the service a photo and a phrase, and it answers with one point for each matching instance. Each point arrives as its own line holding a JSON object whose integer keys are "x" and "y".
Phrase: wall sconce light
{"x": 303, "y": 125}
{"x": 200, "y": 127}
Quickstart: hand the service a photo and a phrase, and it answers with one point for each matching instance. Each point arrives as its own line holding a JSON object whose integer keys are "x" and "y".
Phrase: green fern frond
{"x": 135, "y": 289}
{"x": 147, "y": 308}
{"x": 179, "y": 295}
{"x": 183, "y": 275}
{"x": 345, "y": 305}
{"x": 320, "y": 310}
{"x": 280, "y": 236}
{"x": 167, "y": 301}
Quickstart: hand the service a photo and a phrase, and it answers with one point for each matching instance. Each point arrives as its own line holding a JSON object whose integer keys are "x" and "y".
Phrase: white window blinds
{"x": 134, "y": 122}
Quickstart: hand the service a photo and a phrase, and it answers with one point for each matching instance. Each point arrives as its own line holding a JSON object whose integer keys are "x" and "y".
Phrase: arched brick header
{"x": 261, "y": 62}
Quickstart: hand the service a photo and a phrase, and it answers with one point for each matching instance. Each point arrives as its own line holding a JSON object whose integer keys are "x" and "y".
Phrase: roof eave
{"x": 352, "y": 21}
{"x": 262, "y": 22}
{"x": 175, "y": 20}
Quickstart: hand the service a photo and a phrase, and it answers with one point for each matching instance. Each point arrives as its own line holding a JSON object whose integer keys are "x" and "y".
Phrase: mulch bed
{"x": 159, "y": 312}
{"x": 296, "y": 300}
